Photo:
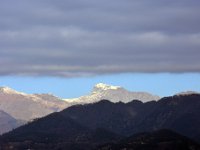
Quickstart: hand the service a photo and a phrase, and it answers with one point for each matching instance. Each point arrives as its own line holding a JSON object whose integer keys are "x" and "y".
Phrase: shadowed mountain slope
{"x": 102, "y": 122}
{"x": 179, "y": 113}
{"x": 56, "y": 131}
{"x": 158, "y": 140}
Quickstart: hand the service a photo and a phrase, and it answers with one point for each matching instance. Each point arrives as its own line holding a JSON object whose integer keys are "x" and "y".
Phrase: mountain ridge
{"x": 27, "y": 107}
{"x": 113, "y": 93}
{"x": 77, "y": 124}
{"x": 172, "y": 112}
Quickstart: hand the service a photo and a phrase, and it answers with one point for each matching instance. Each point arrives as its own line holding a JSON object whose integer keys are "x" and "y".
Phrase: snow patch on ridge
{"x": 100, "y": 87}
{"x": 112, "y": 93}
{"x": 7, "y": 90}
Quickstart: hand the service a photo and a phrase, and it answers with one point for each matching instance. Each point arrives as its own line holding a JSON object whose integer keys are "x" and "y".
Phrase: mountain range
{"x": 26, "y": 107}
{"x": 105, "y": 125}
{"x": 114, "y": 94}
{"x": 18, "y": 108}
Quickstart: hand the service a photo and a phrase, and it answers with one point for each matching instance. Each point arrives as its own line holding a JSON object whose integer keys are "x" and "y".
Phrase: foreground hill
{"x": 56, "y": 131}
{"x": 157, "y": 140}
{"x": 179, "y": 113}
{"x": 105, "y": 122}
{"x": 80, "y": 138}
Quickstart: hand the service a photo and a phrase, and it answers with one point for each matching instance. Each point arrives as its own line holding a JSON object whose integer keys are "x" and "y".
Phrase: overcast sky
{"x": 74, "y": 38}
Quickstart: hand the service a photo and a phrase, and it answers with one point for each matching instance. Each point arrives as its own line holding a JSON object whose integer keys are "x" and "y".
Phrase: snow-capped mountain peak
{"x": 7, "y": 90}
{"x": 26, "y": 107}
{"x": 112, "y": 93}
{"x": 104, "y": 87}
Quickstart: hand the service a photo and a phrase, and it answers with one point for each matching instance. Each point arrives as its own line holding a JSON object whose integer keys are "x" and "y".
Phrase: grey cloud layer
{"x": 86, "y": 37}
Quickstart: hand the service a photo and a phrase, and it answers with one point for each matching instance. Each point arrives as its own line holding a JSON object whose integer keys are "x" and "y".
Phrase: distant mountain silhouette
{"x": 26, "y": 107}
{"x": 113, "y": 93}
{"x": 29, "y": 106}
{"x": 158, "y": 140}
{"x": 8, "y": 123}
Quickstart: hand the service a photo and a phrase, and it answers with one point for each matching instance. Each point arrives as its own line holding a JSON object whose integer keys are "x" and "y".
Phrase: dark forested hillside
{"x": 157, "y": 140}
{"x": 56, "y": 131}
{"x": 179, "y": 113}
{"x": 88, "y": 126}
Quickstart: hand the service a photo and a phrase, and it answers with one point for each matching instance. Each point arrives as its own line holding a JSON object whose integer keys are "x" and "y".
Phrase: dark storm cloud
{"x": 84, "y": 37}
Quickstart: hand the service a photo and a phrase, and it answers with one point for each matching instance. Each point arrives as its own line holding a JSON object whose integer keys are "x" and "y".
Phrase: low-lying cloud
{"x": 84, "y": 37}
